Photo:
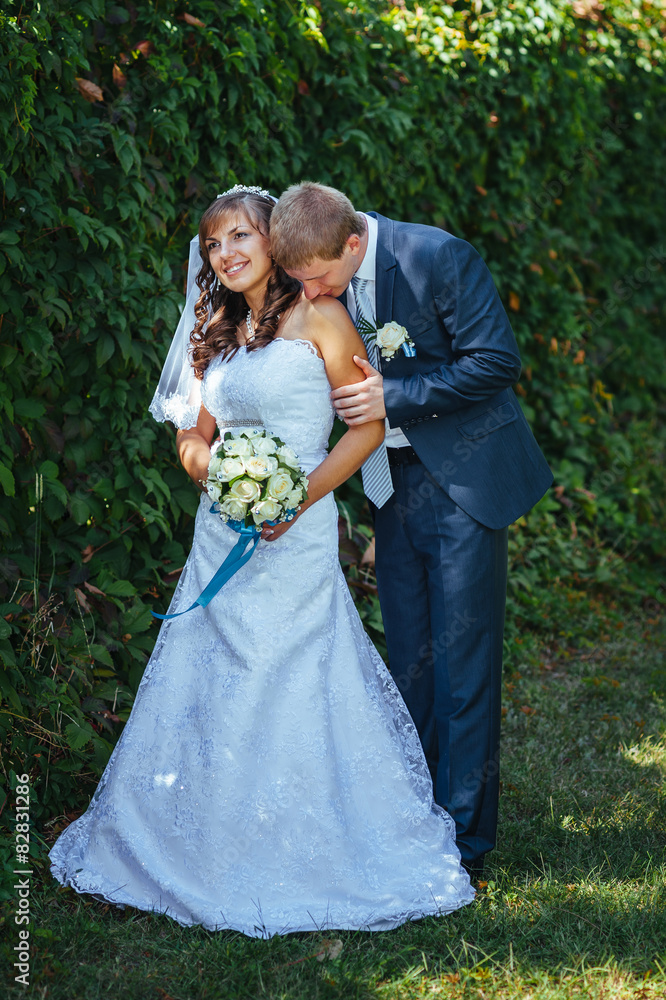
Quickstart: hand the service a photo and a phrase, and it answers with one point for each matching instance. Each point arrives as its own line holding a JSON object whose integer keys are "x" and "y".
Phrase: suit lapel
{"x": 385, "y": 265}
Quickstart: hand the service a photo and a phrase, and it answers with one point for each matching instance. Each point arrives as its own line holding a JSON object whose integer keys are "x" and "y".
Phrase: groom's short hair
{"x": 312, "y": 221}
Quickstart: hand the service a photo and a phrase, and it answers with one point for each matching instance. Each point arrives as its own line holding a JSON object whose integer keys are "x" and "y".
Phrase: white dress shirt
{"x": 394, "y": 437}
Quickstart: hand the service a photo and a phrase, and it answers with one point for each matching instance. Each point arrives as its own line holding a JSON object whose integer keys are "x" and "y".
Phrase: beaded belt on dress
{"x": 222, "y": 424}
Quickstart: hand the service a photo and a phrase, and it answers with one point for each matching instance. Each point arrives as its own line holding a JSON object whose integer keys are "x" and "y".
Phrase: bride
{"x": 269, "y": 778}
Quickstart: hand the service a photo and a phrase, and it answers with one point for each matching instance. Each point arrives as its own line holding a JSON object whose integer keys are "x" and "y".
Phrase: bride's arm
{"x": 193, "y": 446}
{"x": 329, "y": 327}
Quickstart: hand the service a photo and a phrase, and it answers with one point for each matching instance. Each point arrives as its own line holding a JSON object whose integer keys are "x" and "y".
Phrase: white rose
{"x": 229, "y": 468}
{"x": 279, "y": 485}
{"x": 213, "y": 466}
{"x": 391, "y": 337}
{"x": 293, "y": 499}
{"x": 237, "y": 446}
{"x": 251, "y": 432}
{"x": 214, "y": 491}
{"x": 260, "y": 466}
{"x": 267, "y": 510}
{"x": 288, "y": 456}
{"x": 246, "y": 490}
{"x": 234, "y": 509}
{"x": 264, "y": 446}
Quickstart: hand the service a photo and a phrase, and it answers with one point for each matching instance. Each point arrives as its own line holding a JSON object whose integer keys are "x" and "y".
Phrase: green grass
{"x": 575, "y": 904}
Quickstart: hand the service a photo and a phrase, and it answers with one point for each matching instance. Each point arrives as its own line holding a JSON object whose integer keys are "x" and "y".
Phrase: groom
{"x": 458, "y": 465}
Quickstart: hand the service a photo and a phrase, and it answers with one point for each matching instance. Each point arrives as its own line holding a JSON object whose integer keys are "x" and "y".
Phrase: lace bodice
{"x": 282, "y": 386}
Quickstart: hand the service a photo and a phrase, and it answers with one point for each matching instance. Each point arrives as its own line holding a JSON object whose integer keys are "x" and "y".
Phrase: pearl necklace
{"x": 248, "y": 324}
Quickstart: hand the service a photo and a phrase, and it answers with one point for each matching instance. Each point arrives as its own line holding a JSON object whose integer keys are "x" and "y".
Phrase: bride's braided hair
{"x": 227, "y": 309}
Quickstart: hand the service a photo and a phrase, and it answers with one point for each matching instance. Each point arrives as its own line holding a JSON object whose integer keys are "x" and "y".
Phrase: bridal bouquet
{"x": 255, "y": 477}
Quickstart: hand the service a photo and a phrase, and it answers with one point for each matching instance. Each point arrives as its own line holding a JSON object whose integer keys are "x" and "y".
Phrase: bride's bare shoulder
{"x": 320, "y": 313}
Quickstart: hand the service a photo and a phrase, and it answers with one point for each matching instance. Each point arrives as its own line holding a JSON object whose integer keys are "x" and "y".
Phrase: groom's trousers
{"x": 441, "y": 577}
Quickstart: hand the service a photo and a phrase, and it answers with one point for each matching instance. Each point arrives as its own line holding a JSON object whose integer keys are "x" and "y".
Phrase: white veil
{"x": 178, "y": 394}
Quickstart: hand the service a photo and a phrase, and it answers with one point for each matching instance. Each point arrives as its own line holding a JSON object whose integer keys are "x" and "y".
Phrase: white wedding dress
{"x": 269, "y": 778}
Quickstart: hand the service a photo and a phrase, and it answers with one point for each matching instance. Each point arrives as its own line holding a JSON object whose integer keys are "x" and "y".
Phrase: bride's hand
{"x": 271, "y": 532}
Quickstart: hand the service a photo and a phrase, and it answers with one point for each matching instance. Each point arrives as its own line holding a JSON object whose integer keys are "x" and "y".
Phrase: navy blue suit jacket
{"x": 454, "y": 400}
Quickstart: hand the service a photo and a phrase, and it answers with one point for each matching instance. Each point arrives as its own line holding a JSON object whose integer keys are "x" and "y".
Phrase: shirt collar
{"x": 367, "y": 268}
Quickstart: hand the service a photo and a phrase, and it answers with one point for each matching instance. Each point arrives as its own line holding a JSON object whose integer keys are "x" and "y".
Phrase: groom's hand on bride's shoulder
{"x": 363, "y": 401}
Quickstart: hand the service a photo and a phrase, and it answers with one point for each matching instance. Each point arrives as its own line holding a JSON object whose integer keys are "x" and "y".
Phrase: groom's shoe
{"x": 474, "y": 869}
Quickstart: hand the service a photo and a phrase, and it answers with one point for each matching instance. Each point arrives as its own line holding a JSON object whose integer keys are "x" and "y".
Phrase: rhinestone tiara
{"x": 238, "y": 188}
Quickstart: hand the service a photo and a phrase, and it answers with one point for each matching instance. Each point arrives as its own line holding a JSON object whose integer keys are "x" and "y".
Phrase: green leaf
{"x": 7, "y": 480}
{"x": 151, "y": 475}
{"x": 101, "y": 654}
{"x": 29, "y": 408}
{"x": 51, "y": 62}
{"x": 11, "y": 608}
{"x": 120, "y": 588}
{"x": 124, "y": 478}
{"x": 138, "y": 619}
{"x": 7, "y": 690}
{"x": 124, "y": 152}
{"x": 7, "y": 353}
{"x": 80, "y": 509}
{"x": 7, "y": 657}
{"x": 106, "y": 345}
{"x": 78, "y": 736}
{"x": 49, "y": 469}
{"x": 57, "y": 490}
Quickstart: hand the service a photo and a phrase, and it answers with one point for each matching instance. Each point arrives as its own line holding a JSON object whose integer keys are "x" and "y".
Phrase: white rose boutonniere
{"x": 390, "y": 338}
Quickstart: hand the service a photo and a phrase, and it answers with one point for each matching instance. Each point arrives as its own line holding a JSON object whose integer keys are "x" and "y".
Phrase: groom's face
{"x": 330, "y": 277}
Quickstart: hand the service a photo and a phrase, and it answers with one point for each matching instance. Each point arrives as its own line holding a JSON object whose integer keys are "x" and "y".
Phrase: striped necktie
{"x": 375, "y": 471}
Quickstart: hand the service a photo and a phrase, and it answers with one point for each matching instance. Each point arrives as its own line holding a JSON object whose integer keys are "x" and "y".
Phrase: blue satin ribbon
{"x": 236, "y": 558}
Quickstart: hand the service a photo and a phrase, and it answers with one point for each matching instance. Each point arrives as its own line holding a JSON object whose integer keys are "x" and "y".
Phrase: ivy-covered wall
{"x": 532, "y": 129}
